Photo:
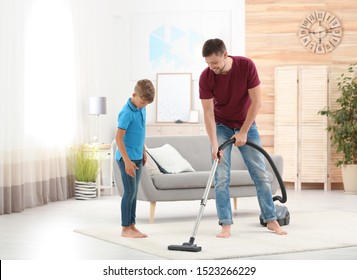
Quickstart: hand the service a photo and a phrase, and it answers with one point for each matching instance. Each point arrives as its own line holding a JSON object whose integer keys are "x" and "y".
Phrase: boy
{"x": 130, "y": 154}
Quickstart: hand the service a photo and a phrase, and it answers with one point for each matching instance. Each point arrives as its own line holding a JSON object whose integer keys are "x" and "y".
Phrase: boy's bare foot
{"x": 225, "y": 232}
{"x": 138, "y": 231}
{"x": 129, "y": 232}
{"x": 274, "y": 225}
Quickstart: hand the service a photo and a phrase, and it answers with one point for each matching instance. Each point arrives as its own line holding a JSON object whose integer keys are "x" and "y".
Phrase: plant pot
{"x": 85, "y": 190}
{"x": 349, "y": 176}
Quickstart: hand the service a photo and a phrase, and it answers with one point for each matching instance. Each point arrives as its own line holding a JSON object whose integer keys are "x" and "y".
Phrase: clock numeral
{"x": 328, "y": 46}
{"x": 320, "y": 49}
{"x": 329, "y": 17}
{"x": 312, "y": 46}
{"x": 312, "y": 18}
{"x": 305, "y": 40}
{"x": 320, "y": 15}
{"x": 305, "y": 23}
{"x": 302, "y": 32}
{"x": 335, "y": 23}
{"x": 337, "y": 32}
{"x": 335, "y": 40}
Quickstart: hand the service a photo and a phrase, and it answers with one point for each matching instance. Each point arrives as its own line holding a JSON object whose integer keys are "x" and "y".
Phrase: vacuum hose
{"x": 190, "y": 246}
{"x": 267, "y": 156}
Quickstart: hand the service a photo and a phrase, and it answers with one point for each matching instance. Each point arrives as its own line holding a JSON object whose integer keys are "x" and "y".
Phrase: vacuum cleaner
{"x": 282, "y": 213}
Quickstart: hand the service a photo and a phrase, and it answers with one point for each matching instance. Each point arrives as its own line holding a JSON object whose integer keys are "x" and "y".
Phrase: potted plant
{"x": 343, "y": 127}
{"x": 85, "y": 167}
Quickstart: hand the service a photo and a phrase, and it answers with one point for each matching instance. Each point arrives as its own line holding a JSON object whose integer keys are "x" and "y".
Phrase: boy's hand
{"x": 144, "y": 158}
{"x": 130, "y": 168}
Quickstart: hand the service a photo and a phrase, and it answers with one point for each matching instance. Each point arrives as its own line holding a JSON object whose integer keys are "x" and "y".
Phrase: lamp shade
{"x": 97, "y": 105}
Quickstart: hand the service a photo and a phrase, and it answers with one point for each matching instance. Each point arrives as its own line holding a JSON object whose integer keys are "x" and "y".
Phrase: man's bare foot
{"x": 225, "y": 232}
{"x": 274, "y": 225}
{"x": 138, "y": 231}
{"x": 129, "y": 232}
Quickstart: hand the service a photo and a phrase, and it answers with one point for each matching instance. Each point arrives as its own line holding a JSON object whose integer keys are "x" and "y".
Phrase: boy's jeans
{"x": 128, "y": 201}
{"x": 255, "y": 163}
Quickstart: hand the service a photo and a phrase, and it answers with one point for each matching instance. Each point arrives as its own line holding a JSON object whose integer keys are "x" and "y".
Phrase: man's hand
{"x": 241, "y": 139}
{"x": 215, "y": 153}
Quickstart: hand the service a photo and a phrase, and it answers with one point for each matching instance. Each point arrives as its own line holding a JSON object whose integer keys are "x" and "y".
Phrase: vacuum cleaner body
{"x": 282, "y": 215}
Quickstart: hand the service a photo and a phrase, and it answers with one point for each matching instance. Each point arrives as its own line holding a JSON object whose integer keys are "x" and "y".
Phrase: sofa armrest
{"x": 147, "y": 190}
{"x": 117, "y": 177}
{"x": 278, "y": 161}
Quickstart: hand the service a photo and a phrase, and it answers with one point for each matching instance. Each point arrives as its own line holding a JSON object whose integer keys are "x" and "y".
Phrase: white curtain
{"x": 41, "y": 102}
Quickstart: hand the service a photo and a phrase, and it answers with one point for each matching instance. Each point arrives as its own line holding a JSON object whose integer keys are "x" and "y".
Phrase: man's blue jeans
{"x": 128, "y": 201}
{"x": 255, "y": 163}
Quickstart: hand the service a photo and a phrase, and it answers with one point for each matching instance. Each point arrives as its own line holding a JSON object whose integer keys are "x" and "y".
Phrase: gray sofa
{"x": 190, "y": 185}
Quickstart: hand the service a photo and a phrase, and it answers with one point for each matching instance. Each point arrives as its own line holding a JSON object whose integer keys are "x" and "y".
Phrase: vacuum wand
{"x": 190, "y": 246}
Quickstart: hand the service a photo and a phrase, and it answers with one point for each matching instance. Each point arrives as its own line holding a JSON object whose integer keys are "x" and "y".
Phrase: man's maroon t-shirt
{"x": 230, "y": 91}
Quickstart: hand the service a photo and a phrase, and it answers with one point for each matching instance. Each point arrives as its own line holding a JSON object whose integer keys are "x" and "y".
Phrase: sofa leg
{"x": 152, "y": 211}
{"x": 235, "y": 203}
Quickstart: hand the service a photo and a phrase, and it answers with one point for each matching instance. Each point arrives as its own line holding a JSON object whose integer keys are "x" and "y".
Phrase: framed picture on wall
{"x": 173, "y": 97}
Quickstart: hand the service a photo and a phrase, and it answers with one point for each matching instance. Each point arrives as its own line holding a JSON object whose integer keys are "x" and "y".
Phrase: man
{"x": 231, "y": 98}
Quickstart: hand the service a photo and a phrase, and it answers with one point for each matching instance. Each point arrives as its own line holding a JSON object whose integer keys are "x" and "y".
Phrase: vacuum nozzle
{"x": 186, "y": 246}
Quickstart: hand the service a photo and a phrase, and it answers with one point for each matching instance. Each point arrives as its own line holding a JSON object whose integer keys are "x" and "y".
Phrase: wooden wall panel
{"x": 271, "y": 40}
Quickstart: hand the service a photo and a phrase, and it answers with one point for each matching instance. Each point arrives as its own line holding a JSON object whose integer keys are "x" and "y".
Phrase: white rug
{"x": 306, "y": 232}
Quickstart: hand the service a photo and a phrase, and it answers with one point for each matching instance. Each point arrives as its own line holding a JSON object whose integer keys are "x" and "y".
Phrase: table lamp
{"x": 97, "y": 106}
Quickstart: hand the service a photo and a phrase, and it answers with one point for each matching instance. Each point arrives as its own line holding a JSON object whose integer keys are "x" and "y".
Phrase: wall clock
{"x": 320, "y": 32}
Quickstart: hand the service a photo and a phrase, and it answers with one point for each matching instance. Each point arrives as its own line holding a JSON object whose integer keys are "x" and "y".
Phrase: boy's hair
{"x": 145, "y": 90}
{"x": 213, "y": 46}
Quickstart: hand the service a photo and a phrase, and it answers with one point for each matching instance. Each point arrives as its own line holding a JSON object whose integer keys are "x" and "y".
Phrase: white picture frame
{"x": 173, "y": 97}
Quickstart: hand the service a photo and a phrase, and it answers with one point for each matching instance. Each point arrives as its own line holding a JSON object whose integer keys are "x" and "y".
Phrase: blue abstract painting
{"x": 172, "y": 42}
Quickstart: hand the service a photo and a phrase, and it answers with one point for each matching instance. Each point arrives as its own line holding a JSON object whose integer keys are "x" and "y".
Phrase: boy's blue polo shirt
{"x": 133, "y": 121}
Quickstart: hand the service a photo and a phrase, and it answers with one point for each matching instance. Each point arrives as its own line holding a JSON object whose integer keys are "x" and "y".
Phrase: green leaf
{"x": 343, "y": 121}
{"x": 84, "y": 164}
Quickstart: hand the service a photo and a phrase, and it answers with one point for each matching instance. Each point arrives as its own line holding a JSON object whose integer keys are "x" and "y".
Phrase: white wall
{"x": 109, "y": 55}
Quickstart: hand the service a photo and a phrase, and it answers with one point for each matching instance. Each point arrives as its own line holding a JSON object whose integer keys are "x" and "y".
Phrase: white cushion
{"x": 151, "y": 165}
{"x": 169, "y": 159}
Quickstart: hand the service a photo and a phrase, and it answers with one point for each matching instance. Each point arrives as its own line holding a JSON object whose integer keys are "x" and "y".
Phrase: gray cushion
{"x": 199, "y": 179}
